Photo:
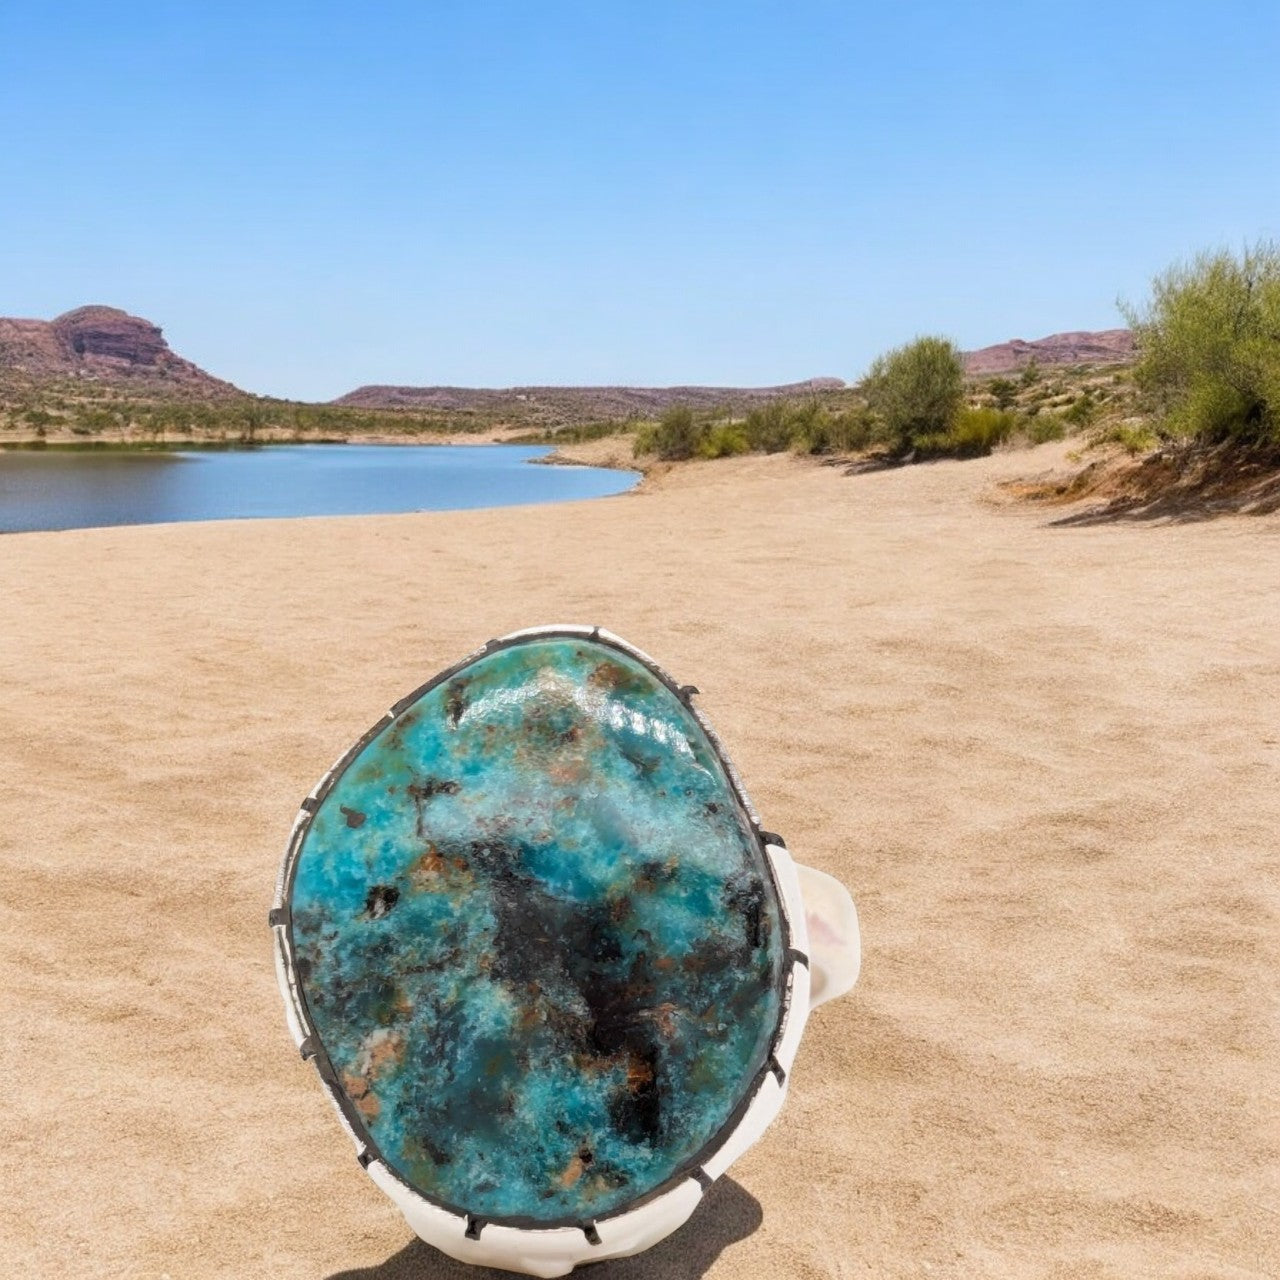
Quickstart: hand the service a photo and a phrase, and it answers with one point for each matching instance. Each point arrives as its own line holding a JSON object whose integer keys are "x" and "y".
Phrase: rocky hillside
{"x": 1105, "y": 346}
{"x": 106, "y": 347}
{"x": 569, "y": 405}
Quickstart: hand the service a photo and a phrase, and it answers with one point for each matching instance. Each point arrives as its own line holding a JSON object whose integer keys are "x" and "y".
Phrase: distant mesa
{"x": 597, "y": 404}
{"x": 104, "y": 345}
{"x": 577, "y": 403}
{"x": 110, "y": 334}
{"x": 1105, "y": 346}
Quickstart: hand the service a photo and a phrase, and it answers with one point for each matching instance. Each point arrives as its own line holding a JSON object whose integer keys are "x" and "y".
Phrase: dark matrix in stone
{"x": 536, "y": 937}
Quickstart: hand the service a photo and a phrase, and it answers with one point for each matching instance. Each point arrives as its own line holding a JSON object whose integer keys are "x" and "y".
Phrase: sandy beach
{"x": 1046, "y": 761}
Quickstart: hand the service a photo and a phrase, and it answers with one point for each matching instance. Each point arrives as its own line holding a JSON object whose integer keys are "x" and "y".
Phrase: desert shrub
{"x": 916, "y": 391}
{"x": 1209, "y": 346}
{"x": 1082, "y": 410}
{"x": 973, "y": 434}
{"x": 810, "y": 427}
{"x": 814, "y": 433}
{"x": 723, "y": 441}
{"x": 678, "y": 434}
{"x": 860, "y": 428}
{"x": 575, "y": 433}
{"x": 817, "y": 429}
{"x": 1044, "y": 427}
{"x": 848, "y": 432}
{"x": 581, "y": 433}
{"x": 769, "y": 429}
{"x": 645, "y": 441}
{"x": 1003, "y": 391}
{"x": 1134, "y": 438}
{"x": 1030, "y": 373}
{"x": 674, "y": 437}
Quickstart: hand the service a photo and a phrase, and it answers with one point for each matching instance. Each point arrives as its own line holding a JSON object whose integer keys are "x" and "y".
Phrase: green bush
{"x": 675, "y": 437}
{"x": 723, "y": 441}
{"x": 645, "y": 441}
{"x": 1133, "y": 438}
{"x": 1044, "y": 427}
{"x": 1081, "y": 411}
{"x": 973, "y": 434}
{"x": 810, "y": 427}
{"x": 1209, "y": 347}
{"x": 769, "y": 429}
{"x": 1003, "y": 392}
{"x": 916, "y": 391}
{"x": 848, "y": 432}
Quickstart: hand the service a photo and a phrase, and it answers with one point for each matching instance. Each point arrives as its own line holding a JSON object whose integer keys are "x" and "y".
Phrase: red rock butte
{"x": 102, "y": 344}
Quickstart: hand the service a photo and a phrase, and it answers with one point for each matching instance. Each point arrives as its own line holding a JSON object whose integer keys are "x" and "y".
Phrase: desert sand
{"x": 1046, "y": 761}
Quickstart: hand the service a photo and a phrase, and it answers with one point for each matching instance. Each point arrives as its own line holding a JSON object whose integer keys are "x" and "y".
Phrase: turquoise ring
{"x": 551, "y": 970}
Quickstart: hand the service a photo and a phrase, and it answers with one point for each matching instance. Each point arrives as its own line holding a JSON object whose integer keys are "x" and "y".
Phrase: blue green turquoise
{"x": 536, "y": 937}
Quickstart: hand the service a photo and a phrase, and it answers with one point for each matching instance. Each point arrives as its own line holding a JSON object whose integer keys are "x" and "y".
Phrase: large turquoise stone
{"x": 536, "y": 936}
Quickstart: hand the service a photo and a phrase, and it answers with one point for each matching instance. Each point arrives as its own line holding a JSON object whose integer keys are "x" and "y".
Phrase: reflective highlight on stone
{"x": 535, "y": 936}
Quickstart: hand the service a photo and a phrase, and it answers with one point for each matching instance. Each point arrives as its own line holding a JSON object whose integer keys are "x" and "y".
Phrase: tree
{"x": 1209, "y": 346}
{"x": 916, "y": 391}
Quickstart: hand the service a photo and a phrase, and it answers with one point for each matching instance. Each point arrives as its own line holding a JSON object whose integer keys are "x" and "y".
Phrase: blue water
{"x": 55, "y": 490}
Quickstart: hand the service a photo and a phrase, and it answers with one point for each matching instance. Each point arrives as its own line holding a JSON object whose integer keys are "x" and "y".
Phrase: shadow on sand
{"x": 1182, "y": 485}
{"x": 726, "y": 1215}
{"x": 1174, "y": 508}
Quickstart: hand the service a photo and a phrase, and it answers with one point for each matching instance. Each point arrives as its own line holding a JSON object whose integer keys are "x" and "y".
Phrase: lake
{"x": 50, "y": 489}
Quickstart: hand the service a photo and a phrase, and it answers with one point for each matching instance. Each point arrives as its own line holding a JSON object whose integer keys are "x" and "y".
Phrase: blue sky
{"x": 310, "y": 196}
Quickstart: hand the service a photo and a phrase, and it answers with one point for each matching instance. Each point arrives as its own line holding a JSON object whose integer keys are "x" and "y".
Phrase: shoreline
{"x": 171, "y": 441}
{"x": 591, "y": 453}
